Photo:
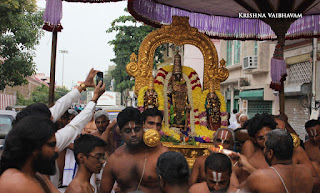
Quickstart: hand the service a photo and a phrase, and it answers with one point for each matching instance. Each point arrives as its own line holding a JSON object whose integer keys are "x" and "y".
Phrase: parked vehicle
{"x": 6, "y": 119}
{"x": 112, "y": 111}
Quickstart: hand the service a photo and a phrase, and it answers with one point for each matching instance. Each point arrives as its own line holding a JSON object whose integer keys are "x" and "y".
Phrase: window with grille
{"x": 300, "y": 73}
{"x": 255, "y": 107}
{"x": 236, "y": 51}
{"x": 229, "y": 52}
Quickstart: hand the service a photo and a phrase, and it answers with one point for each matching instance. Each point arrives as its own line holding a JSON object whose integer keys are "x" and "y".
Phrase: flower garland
{"x": 197, "y": 98}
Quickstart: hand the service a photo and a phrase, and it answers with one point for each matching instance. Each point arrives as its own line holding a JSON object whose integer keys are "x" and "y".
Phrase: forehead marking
{"x": 225, "y": 137}
{"x": 312, "y": 134}
{"x": 134, "y": 125}
{"x": 216, "y": 176}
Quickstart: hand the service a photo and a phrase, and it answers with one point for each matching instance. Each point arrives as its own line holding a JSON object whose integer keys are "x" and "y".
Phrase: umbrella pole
{"x": 53, "y": 67}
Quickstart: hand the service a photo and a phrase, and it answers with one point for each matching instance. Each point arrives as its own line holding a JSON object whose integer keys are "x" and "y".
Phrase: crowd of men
{"x": 60, "y": 150}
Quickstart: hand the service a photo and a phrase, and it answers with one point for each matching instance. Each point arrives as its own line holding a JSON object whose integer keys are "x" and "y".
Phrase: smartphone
{"x": 99, "y": 77}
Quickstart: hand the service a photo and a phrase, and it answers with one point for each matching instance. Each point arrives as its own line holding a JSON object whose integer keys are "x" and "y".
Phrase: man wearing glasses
{"x": 89, "y": 152}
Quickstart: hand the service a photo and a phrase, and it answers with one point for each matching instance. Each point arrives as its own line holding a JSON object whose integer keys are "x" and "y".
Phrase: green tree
{"x": 41, "y": 95}
{"x": 20, "y": 31}
{"x": 130, "y": 35}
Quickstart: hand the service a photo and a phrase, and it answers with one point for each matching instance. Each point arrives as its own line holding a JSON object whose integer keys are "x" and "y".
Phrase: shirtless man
{"x": 313, "y": 144}
{"x": 173, "y": 171}
{"x": 101, "y": 119}
{"x": 133, "y": 165}
{"x": 152, "y": 119}
{"x": 283, "y": 176}
{"x": 218, "y": 169}
{"x": 89, "y": 153}
{"x": 224, "y": 137}
{"x": 258, "y": 128}
{"x": 29, "y": 154}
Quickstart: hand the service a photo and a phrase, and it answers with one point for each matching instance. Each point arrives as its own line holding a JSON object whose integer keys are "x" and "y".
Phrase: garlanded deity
{"x": 213, "y": 110}
{"x": 178, "y": 97}
{"x": 150, "y": 97}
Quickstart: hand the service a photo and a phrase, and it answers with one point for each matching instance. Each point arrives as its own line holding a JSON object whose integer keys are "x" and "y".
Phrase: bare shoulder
{"x": 74, "y": 187}
{"x": 120, "y": 151}
{"x": 12, "y": 180}
{"x": 200, "y": 160}
{"x": 248, "y": 148}
{"x": 199, "y": 187}
{"x": 161, "y": 148}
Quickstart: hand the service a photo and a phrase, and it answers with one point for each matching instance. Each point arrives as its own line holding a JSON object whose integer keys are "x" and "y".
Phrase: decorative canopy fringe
{"x": 53, "y": 15}
{"x": 157, "y": 14}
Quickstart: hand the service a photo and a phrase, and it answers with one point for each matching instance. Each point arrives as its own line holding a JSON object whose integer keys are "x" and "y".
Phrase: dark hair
{"x": 34, "y": 109}
{"x": 173, "y": 168}
{"x": 234, "y": 111}
{"x": 152, "y": 112}
{"x": 311, "y": 123}
{"x": 129, "y": 114}
{"x": 259, "y": 121}
{"x": 29, "y": 134}
{"x": 218, "y": 162}
{"x": 280, "y": 141}
{"x": 86, "y": 143}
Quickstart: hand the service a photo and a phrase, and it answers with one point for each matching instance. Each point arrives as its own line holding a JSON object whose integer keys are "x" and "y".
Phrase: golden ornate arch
{"x": 179, "y": 33}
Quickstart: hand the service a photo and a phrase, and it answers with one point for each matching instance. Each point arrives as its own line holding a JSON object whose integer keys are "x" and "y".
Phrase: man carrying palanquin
{"x": 313, "y": 144}
{"x": 218, "y": 170}
{"x": 259, "y": 126}
{"x": 224, "y": 137}
{"x": 133, "y": 165}
{"x": 178, "y": 96}
{"x": 282, "y": 176}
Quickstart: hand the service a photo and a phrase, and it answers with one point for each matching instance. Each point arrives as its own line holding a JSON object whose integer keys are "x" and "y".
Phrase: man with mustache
{"x": 132, "y": 165}
{"x": 29, "y": 154}
{"x": 101, "y": 119}
{"x": 218, "y": 169}
{"x": 283, "y": 176}
{"x": 89, "y": 152}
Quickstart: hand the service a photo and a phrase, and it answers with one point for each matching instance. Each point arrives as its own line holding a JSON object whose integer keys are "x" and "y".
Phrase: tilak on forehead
{"x": 216, "y": 176}
{"x": 130, "y": 125}
{"x": 224, "y": 134}
{"x": 313, "y": 132}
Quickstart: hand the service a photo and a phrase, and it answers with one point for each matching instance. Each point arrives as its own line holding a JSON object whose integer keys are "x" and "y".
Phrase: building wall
{"x": 250, "y": 79}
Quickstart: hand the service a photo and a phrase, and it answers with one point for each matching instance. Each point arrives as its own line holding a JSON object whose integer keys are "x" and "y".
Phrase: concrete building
{"x": 298, "y": 85}
{"x": 248, "y": 87}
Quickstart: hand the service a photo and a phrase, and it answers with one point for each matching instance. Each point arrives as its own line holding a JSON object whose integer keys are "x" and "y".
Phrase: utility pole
{"x": 63, "y": 52}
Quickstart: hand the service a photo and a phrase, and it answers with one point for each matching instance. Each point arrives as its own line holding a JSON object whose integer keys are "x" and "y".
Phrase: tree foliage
{"x": 130, "y": 35}
{"x": 41, "y": 95}
{"x": 20, "y": 31}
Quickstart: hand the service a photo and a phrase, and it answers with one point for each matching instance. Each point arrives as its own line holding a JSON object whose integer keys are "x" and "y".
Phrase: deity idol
{"x": 150, "y": 97}
{"x": 178, "y": 97}
{"x": 213, "y": 110}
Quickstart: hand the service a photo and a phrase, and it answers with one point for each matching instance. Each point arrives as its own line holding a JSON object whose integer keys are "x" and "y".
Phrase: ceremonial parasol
{"x": 52, "y": 17}
{"x": 240, "y": 20}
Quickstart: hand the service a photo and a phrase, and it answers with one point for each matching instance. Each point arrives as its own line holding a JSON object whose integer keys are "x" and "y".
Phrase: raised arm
{"x": 73, "y": 96}
{"x": 66, "y": 135}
